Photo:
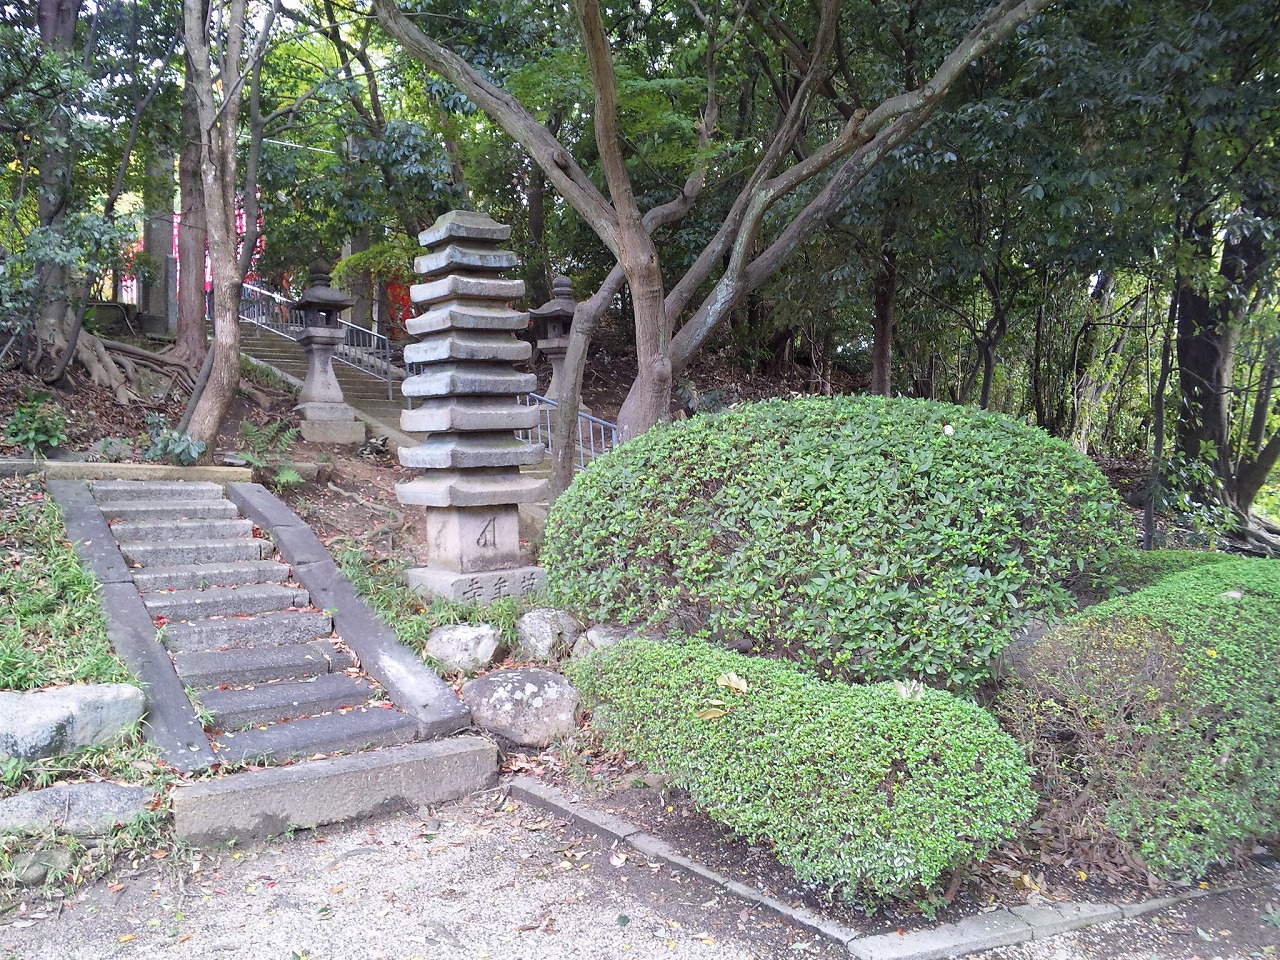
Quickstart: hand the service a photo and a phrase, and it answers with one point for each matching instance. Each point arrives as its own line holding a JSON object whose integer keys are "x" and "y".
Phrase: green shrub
{"x": 873, "y": 791}
{"x": 875, "y": 538}
{"x": 1154, "y": 717}
{"x": 37, "y": 423}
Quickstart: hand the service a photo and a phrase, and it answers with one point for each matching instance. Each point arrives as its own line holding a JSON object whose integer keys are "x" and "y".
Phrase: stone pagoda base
{"x": 480, "y": 588}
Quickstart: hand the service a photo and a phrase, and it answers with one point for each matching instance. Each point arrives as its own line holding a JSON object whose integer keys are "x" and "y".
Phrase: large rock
{"x": 464, "y": 647}
{"x": 529, "y": 707}
{"x": 80, "y": 809}
{"x": 546, "y": 634}
{"x": 600, "y": 636}
{"x": 50, "y": 723}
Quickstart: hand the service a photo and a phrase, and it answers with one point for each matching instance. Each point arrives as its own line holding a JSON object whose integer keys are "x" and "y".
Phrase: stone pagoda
{"x": 471, "y": 485}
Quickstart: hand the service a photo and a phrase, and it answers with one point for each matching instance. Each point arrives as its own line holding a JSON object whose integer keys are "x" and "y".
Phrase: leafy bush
{"x": 875, "y": 538}
{"x": 873, "y": 791}
{"x": 37, "y": 423}
{"x": 1154, "y": 717}
{"x": 168, "y": 444}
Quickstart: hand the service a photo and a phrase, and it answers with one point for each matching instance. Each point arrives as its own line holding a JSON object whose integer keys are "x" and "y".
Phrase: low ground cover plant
{"x": 869, "y": 537}
{"x": 874, "y": 792}
{"x": 1153, "y": 719}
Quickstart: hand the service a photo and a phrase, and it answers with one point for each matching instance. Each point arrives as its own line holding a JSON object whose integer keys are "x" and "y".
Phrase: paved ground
{"x": 471, "y": 881}
{"x": 467, "y": 883}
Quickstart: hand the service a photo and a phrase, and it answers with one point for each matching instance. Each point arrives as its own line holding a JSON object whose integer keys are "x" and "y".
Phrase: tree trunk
{"x": 217, "y": 131}
{"x": 192, "y": 238}
{"x": 884, "y": 293}
{"x": 157, "y": 231}
{"x": 361, "y": 287}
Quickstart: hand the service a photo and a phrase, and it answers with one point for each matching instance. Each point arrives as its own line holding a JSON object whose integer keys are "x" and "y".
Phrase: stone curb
{"x": 269, "y": 802}
{"x": 170, "y": 722}
{"x": 985, "y": 931}
{"x": 71, "y": 470}
{"x": 413, "y": 686}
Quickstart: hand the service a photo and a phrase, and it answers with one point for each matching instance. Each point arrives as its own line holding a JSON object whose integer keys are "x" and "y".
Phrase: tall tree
{"x": 832, "y": 129}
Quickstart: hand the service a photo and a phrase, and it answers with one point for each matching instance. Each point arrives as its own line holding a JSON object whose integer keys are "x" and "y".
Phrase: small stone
{"x": 33, "y": 869}
{"x": 79, "y": 809}
{"x": 463, "y": 647}
{"x": 51, "y": 723}
{"x": 529, "y": 707}
{"x": 546, "y": 634}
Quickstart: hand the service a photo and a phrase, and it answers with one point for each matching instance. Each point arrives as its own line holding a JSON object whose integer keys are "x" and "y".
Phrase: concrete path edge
{"x": 413, "y": 686}
{"x": 985, "y": 931}
{"x": 170, "y": 722}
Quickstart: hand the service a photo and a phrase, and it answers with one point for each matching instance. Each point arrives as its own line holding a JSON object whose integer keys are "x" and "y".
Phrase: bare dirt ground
{"x": 465, "y": 881}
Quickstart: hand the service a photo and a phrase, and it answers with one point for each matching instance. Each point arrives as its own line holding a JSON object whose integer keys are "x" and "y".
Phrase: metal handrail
{"x": 595, "y": 436}
{"x": 361, "y": 348}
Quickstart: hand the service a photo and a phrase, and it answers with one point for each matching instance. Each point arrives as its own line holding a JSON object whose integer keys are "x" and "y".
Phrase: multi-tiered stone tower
{"x": 471, "y": 486}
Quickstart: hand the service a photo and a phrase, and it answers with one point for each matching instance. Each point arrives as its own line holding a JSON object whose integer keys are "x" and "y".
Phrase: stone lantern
{"x": 326, "y": 417}
{"x": 558, "y": 315}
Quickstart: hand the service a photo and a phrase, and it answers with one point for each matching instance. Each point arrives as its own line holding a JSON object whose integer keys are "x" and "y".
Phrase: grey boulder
{"x": 600, "y": 636}
{"x": 80, "y": 809}
{"x": 50, "y": 723}
{"x": 528, "y": 707}
{"x": 32, "y": 869}
{"x": 546, "y": 634}
{"x": 463, "y": 647}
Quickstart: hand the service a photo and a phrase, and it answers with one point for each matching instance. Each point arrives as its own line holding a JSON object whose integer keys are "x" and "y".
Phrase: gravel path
{"x": 467, "y": 882}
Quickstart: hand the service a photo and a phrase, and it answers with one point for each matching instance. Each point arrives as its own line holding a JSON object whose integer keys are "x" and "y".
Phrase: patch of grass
{"x": 413, "y": 617}
{"x": 52, "y": 630}
{"x": 260, "y": 373}
{"x": 129, "y": 758}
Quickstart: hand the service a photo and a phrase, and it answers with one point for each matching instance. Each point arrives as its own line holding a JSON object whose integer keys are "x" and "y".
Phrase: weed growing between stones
{"x": 381, "y": 583}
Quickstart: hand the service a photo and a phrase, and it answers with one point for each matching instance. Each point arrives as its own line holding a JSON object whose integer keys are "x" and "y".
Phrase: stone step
{"x": 294, "y": 661}
{"x": 273, "y": 702}
{"x": 133, "y": 531}
{"x": 156, "y": 553}
{"x": 329, "y": 733}
{"x": 225, "y": 601}
{"x": 169, "y": 509}
{"x": 233, "y": 633}
{"x": 110, "y": 491}
{"x": 191, "y": 576}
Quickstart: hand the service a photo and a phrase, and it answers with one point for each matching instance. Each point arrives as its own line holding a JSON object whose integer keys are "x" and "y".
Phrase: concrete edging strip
{"x": 985, "y": 931}
{"x": 79, "y": 470}
{"x": 413, "y": 686}
{"x": 170, "y": 722}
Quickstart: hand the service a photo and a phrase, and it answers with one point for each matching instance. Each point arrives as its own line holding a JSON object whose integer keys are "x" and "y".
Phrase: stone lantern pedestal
{"x": 326, "y": 417}
{"x": 471, "y": 484}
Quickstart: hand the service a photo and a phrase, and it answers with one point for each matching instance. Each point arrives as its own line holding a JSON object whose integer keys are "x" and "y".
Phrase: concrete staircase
{"x": 363, "y": 391}
{"x": 260, "y": 662}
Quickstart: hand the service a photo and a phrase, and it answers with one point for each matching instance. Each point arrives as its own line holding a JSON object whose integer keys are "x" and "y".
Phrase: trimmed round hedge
{"x": 1155, "y": 717}
{"x": 873, "y": 791}
{"x": 871, "y": 537}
